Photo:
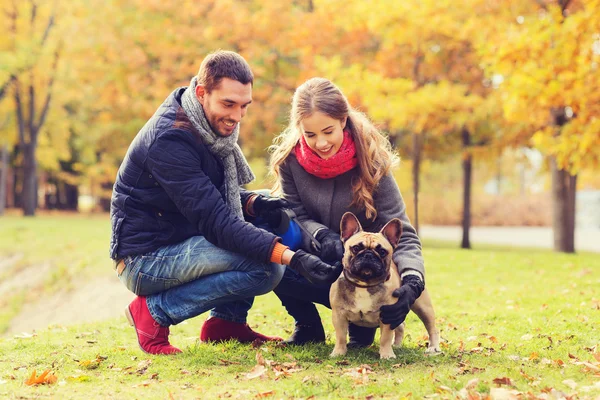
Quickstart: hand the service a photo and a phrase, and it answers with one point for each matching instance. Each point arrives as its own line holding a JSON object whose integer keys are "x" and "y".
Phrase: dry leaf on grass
{"x": 143, "y": 366}
{"x": 45, "y": 378}
{"x": 257, "y": 371}
{"x": 143, "y": 384}
{"x": 260, "y": 360}
{"x": 503, "y": 381}
{"x": 265, "y": 394}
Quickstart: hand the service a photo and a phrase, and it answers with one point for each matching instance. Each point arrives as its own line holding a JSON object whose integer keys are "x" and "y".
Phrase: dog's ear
{"x": 392, "y": 231}
{"x": 349, "y": 226}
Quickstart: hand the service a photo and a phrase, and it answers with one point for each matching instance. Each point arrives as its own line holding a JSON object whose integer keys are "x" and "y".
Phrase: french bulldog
{"x": 368, "y": 279}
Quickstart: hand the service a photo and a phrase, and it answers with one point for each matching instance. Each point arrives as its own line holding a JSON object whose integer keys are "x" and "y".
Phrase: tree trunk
{"x": 467, "y": 165}
{"x": 3, "y": 177}
{"x": 416, "y": 171}
{"x": 499, "y": 175}
{"x": 29, "y": 195}
{"x": 563, "y": 206}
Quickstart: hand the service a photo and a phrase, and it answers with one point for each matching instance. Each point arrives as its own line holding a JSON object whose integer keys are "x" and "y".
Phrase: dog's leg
{"x": 424, "y": 310}
{"x": 399, "y": 335}
{"x": 340, "y": 324}
{"x": 385, "y": 342}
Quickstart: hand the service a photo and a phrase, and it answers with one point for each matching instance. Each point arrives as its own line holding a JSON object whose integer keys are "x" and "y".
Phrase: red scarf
{"x": 342, "y": 161}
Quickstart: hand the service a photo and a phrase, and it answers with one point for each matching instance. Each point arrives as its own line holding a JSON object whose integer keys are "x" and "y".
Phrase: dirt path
{"x": 104, "y": 297}
{"x": 586, "y": 239}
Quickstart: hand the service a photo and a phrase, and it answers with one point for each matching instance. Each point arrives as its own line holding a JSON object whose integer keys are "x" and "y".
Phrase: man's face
{"x": 226, "y": 105}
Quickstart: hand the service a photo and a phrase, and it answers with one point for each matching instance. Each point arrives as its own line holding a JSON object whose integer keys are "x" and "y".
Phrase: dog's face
{"x": 368, "y": 256}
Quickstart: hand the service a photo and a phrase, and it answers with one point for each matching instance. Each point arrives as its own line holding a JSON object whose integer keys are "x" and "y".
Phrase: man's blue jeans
{"x": 184, "y": 280}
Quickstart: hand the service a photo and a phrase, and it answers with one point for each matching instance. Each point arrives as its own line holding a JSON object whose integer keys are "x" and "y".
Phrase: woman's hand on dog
{"x": 395, "y": 314}
{"x": 332, "y": 249}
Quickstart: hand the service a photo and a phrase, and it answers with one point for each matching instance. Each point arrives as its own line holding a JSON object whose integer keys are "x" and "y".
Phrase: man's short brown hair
{"x": 223, "y": 64}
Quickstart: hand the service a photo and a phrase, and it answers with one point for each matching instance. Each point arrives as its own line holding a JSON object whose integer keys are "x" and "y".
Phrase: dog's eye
{"x": 381, "y": 251}
{"x": 356, "y": 248}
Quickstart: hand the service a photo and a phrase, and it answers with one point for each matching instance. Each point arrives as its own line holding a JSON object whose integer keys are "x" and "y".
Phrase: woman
{"x": 329, "y": 160}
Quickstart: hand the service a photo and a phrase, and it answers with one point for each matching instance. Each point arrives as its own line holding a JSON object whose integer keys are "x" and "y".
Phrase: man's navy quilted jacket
{"x": 170, "y": 188}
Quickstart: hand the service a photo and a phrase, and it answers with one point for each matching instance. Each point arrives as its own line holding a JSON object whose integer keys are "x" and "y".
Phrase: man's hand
{"x": 332, "y": 249}
{"x": 269, "y": 208}
{"x": 313, "y": 269}
{"x": 411, "y": 289}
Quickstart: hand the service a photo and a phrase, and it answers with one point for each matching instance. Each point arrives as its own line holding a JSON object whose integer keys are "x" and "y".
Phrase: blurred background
{"x": 492, "y": 105}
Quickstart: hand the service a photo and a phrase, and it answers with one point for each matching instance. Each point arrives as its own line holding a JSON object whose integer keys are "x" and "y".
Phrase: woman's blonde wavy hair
{"x": 373, "y": 150}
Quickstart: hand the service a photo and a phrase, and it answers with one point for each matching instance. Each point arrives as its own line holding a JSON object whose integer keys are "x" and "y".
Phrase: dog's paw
{"x": 338, "y": 353}
{"x": 433, "y": 351}
{"x": 386, "y": 355}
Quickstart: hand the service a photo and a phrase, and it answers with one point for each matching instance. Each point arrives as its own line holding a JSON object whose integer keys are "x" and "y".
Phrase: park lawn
{"x": 520, "y": 321}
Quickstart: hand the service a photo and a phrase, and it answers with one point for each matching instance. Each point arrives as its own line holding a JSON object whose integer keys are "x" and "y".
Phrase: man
{"x": 179, "y": 236}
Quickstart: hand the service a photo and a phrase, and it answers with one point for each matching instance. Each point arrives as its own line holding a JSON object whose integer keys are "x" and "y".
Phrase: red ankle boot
{"x": 217, "y": 330}
{"x": 152, "y": 338}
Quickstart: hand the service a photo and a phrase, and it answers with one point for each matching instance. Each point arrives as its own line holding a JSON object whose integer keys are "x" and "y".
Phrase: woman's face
{"x": 323, "y": 134}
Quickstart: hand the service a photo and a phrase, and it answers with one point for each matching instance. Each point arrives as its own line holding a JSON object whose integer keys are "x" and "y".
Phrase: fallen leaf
{"x": 78, "y": 378}
{"x": 503, "y": 381}
{"x": 265, "y": 394}
{"x": 257, "y": 371}
{"x": 472, "y": 383}
{"x": 260, "y": 360}
{"x": 143, "y": 366}
{"x": 89, "y": 364}
{"x": 588, "y": 365}
{"x": 442, "y": 389}
{"x": 527, "y": 377}
{"x": 143, "y": 384}
{"x": 45, "y": 378}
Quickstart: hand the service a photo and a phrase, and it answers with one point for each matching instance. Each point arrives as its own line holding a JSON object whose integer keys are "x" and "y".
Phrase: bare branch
{"x": 31, "y": 116}
{"x": 542, "y": 4}
{"x": 50, "y": 24}
{"x": 46, "y": 106}
{"x": 5, "y": 86}
{"x": 33, "y": 11}
{"x": 563, "y": 5}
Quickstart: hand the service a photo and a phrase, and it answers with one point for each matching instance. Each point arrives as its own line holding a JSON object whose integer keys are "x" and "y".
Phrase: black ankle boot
{"x": 307, "y": 334}
{"x": 360, "y": 336}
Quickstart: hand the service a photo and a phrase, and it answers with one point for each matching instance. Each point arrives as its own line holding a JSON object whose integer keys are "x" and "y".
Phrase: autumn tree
{"x": 30, "y": 29}
{"x": 548, "y": 53}
{"x": 415, "y": 77}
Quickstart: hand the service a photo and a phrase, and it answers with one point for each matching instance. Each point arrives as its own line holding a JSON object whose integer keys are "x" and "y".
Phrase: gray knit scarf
{"x": 237, "y": 170}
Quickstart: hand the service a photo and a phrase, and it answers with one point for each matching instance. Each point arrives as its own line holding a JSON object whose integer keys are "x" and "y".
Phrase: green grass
{"x": 529, "y": 315}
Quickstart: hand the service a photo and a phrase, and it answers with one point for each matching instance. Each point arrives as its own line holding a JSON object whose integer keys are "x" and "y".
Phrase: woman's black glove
{"x": 269, "y": 208}
{"x": 411, "y": 289}
{"x": 313, "y": 269}
{"x": 332, "y": 249}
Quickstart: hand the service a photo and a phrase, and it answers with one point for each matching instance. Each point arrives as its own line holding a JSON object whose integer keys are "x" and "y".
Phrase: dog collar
{"x": 360, "y": 285}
